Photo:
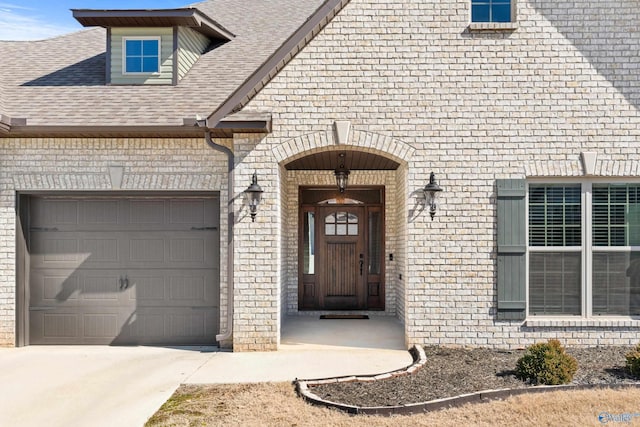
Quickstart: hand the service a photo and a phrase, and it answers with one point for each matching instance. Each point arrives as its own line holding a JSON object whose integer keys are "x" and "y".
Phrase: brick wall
{"x": 258, "y": 249}
{"x": 475, "y": 106}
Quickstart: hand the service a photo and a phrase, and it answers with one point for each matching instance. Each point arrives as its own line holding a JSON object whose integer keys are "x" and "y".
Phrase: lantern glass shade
{"x": 253, "y": 195}
{"x": 431, "y": 192}
{"x": 342, "y": 179}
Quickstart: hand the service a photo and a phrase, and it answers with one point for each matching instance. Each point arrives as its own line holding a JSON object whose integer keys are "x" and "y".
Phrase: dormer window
{"x": 141, "y": 55}
{"x": 153, "y": 46}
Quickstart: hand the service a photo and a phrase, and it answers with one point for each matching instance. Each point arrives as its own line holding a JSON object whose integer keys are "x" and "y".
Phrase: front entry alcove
{"x": 341, "y": 249}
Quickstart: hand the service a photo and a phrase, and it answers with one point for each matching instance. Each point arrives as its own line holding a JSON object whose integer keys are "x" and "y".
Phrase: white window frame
{"x": 586, "y": 279}
{"x": 124, "y": 55}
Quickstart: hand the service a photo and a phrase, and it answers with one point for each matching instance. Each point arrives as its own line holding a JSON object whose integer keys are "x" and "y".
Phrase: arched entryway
{"x": 343, "y": 252}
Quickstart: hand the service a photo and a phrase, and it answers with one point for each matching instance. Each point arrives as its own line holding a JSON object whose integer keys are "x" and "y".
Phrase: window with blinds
{"x": 555, "y": 239}
{"x": 555, "y": 215}
{"x": 616, "y": 249}
{"x": 576, "y": 272}
{"x": 616, "y": 215}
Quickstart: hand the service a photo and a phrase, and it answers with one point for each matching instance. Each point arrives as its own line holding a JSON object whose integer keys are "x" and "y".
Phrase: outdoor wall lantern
{"x": 342, "y": 173}
{"x": 431, "y": 191}
{"x": 253, "y": 194}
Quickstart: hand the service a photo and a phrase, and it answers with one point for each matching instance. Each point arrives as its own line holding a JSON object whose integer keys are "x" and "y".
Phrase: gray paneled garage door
{"x": 123, "y": 270}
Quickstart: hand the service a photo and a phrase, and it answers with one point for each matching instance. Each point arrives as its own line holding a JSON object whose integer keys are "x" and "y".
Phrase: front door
{"x": 341, "y": 258}
{"x": 341, "y": 250}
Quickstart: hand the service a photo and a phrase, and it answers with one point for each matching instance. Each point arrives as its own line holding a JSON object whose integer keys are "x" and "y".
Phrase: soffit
{"x": 187, "y": 17}
{"x": 353, "y": 160}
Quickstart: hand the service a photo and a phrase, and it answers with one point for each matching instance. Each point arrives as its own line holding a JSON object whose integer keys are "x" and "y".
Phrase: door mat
{"x": 344, "y": 316}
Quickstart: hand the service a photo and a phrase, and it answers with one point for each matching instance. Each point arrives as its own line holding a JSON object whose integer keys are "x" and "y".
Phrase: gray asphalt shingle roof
{"x": 61, "y": 81}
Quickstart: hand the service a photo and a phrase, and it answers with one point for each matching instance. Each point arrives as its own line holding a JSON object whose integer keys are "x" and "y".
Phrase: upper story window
{"x": 491, "y": 11}
{"x": 141, "y": 55}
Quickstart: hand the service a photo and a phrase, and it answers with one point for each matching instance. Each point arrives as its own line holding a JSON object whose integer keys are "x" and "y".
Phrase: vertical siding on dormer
{"x": 165, "y": 77}
{"x": 191, "y": 45}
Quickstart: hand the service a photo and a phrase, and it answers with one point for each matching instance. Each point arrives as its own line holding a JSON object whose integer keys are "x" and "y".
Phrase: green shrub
{"x": 633, "y": 361}
{"x": 546, "y": 363}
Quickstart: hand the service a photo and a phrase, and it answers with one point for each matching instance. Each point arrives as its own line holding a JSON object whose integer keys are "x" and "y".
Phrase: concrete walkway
{"x": 311, "y": 348}
{"x": 107, "y": 386}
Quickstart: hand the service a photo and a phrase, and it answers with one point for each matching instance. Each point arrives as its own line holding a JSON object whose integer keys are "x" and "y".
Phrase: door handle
{"x": 361, "y": 263}
{"x": 121, "y": 283}
{"x": 126, "y": 282}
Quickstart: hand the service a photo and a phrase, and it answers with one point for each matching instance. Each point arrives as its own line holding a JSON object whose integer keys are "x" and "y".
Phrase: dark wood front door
{"x": 341, "y": 250}
{"x": 341, "y": 257}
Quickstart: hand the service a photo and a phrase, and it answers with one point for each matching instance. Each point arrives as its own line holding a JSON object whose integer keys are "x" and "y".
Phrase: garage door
{"x": 123, "y": 270}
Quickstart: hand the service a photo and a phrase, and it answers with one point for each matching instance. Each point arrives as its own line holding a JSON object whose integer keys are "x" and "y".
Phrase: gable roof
{"x": 59, "y": 84}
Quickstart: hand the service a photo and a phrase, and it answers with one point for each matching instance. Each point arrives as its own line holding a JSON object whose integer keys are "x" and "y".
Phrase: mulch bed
{"x": 454, "y": 371}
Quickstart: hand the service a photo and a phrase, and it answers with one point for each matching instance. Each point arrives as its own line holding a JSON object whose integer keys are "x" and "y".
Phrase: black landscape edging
{"x": 419, "y": 359}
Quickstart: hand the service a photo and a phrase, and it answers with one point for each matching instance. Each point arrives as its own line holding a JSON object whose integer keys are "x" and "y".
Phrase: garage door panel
{"x": 74, "y": 249}
{"x": 149, "y": 286}
{"x": 49, "y": 213}
{"x": 174, "y": 249}
{"x": 124, "y": 271}
{"x": 148, "y": 249}
{"x": 193, "y": 213}
{"x": 55, "y": 249}
{"x": 50, "y": 287}
{"x": 100, "y": 249}
{"x": 62, "y": 327}
{"x": 78, "y": 325}
{"x": 100, "y": 325}
{"x": 102, "y": 288}
{"x": 123, "y": 214}
{"x": 194, "y": 249}
{"x": 142, "y": 325}
{"x": 170, "y": 326}
{"x": 189, "y": 287}
{"x": 147, "y": 212}
{"x": 100, "y": 213}
{"x": 189, "y": 249}
{"x": 66, "y": 287}
{"x": 179, "y": 288}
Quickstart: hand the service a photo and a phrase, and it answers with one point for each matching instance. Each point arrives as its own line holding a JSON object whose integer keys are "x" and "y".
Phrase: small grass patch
{"x": 278, "y": 405}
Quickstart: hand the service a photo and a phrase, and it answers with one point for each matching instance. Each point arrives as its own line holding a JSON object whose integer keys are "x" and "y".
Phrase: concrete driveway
{"x": 91, "y": 386}
{"x": 123, "y": 386}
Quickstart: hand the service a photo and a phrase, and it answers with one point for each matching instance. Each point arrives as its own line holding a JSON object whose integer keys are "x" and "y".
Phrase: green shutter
{"x": 512, "y": 246}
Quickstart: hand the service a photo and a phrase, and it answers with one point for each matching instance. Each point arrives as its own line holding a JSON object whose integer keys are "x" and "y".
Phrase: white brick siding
{"x": 474, "y": 106}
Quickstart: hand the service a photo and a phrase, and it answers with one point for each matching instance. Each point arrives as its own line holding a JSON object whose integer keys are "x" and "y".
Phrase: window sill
{"x": 493, "y": 26}
{"x": 604, "y": 322}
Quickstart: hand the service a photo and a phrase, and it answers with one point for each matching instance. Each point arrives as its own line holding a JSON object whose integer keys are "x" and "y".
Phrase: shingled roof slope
{"x": 61, "y": 81}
